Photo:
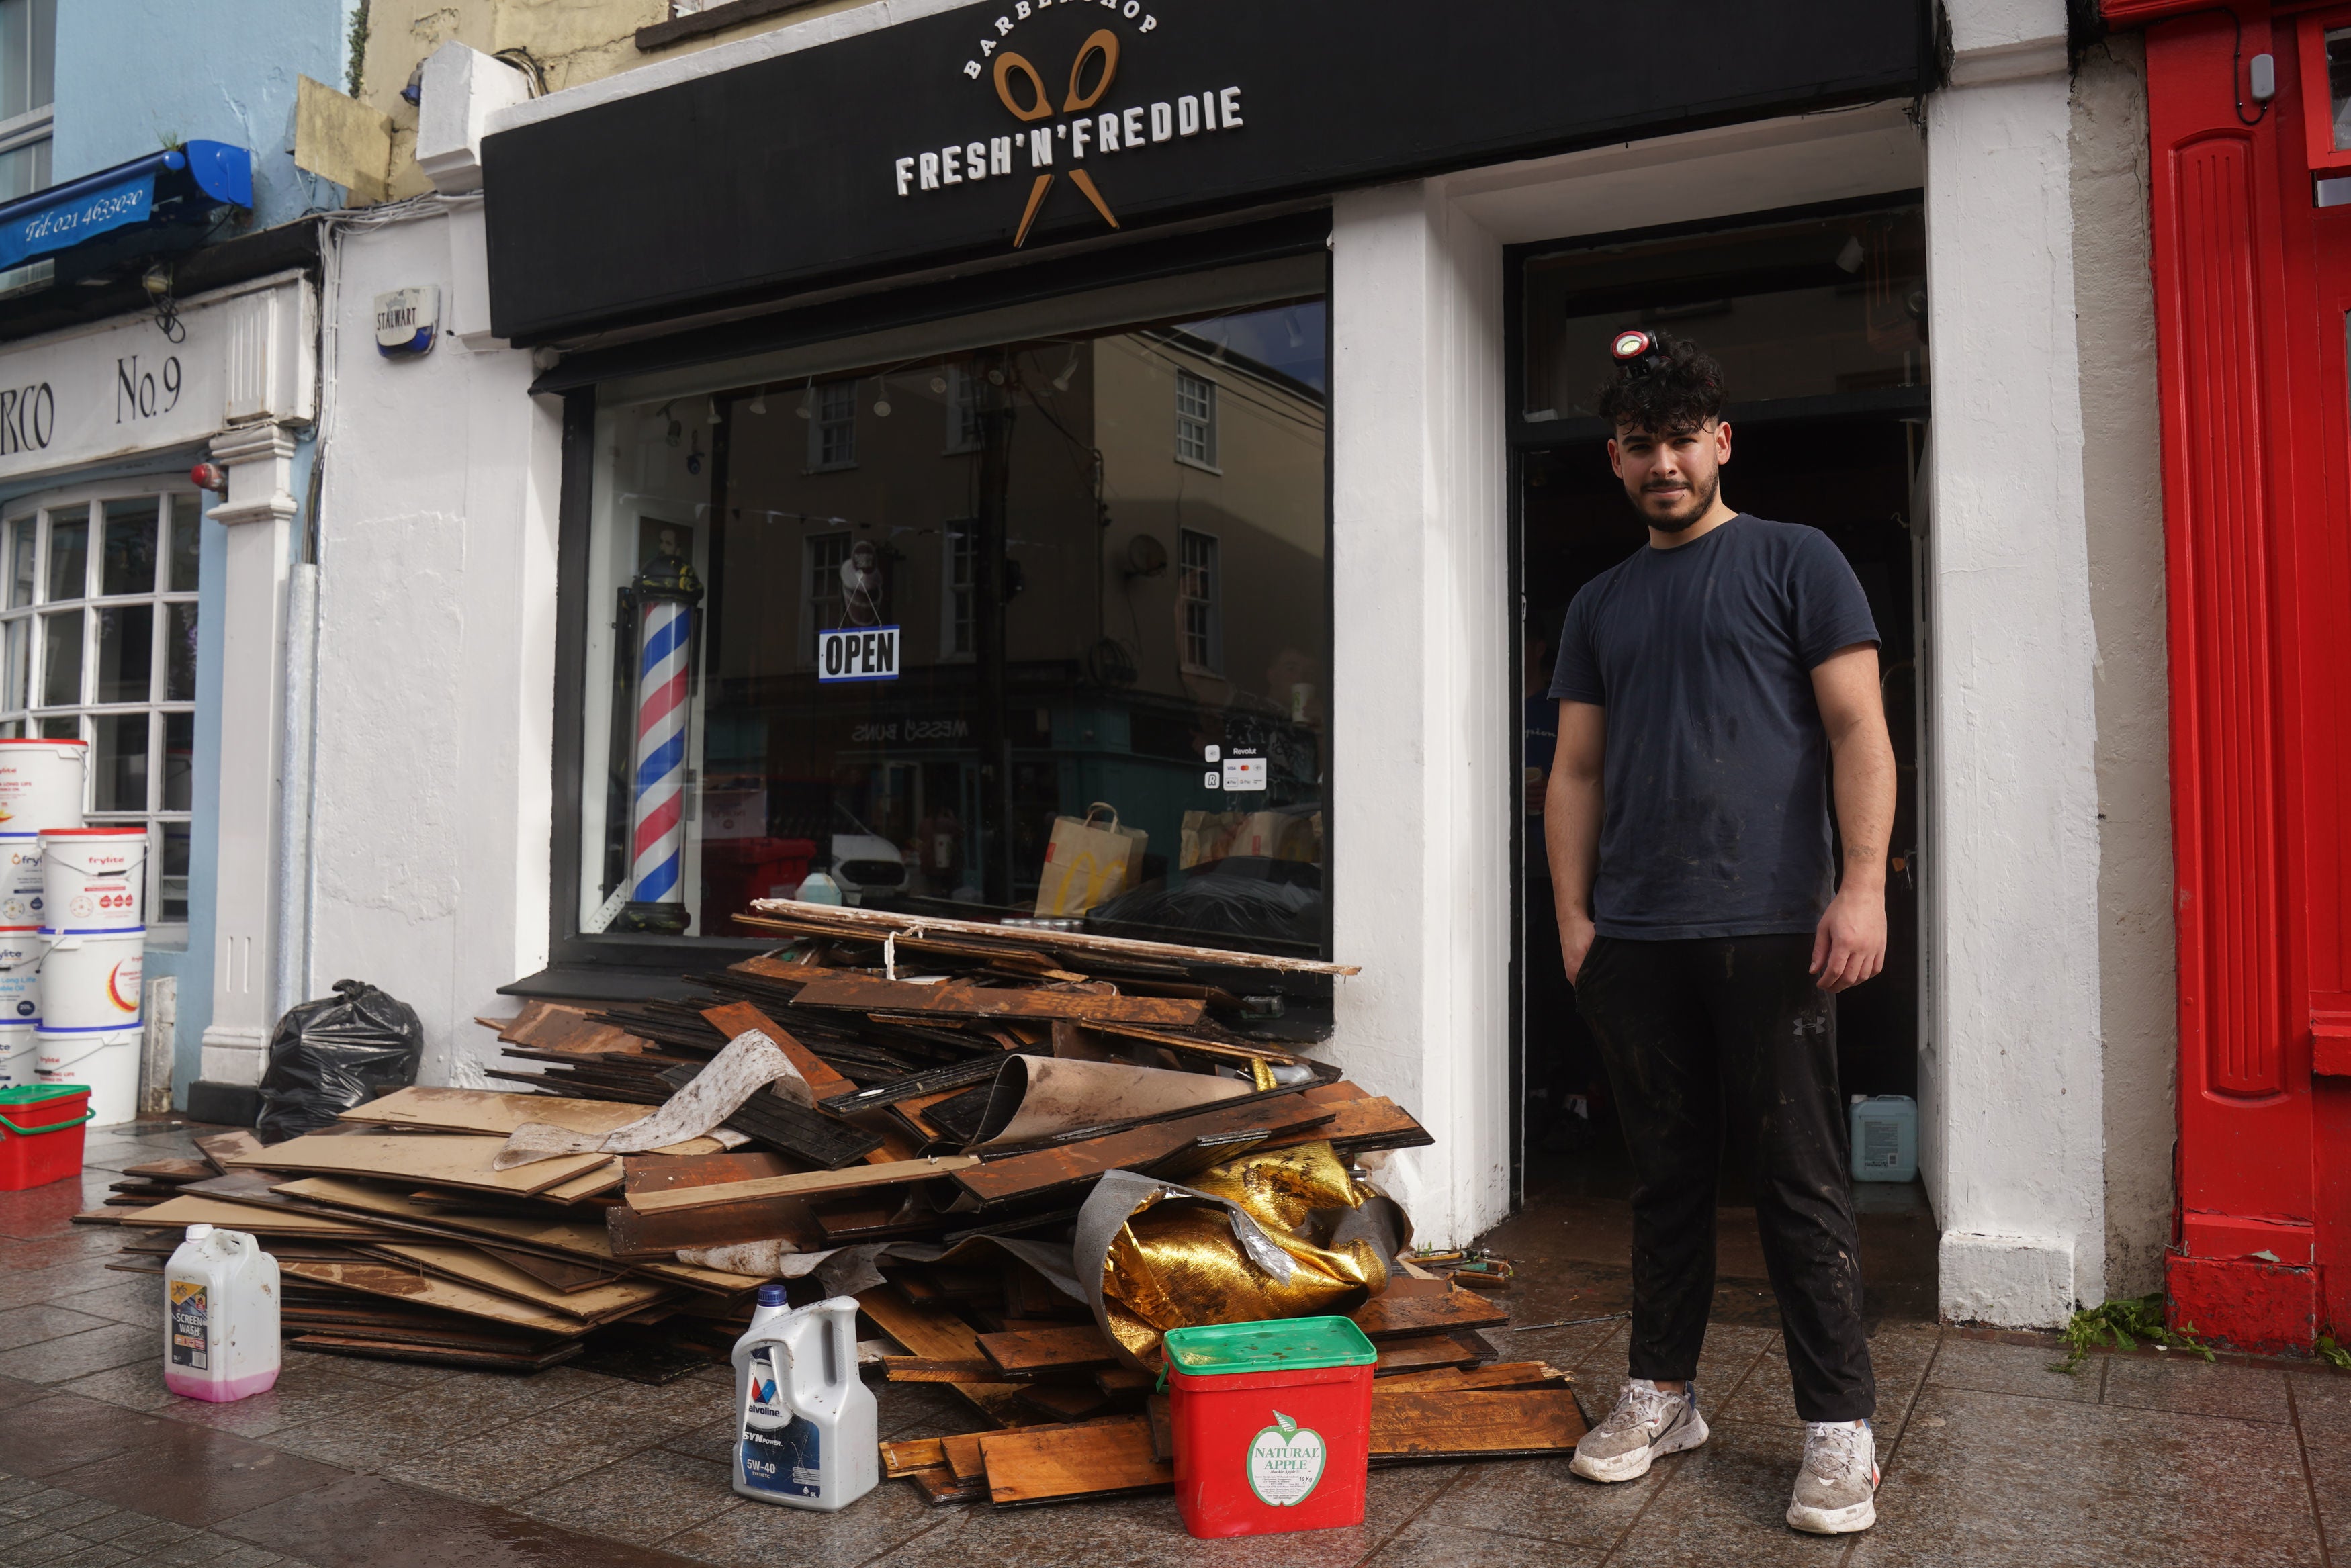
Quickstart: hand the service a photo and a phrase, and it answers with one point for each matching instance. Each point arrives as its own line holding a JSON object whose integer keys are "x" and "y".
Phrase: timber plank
{"x": 1097, "y": 1459}
{"x": 1500, "y": 1375}
{"x": 1359, "y": 1125}
{"x": 1048, "y": 1350}
{"x": 739, "y": 1017}
{"x": 808, "y": 1184}
{"x": 1422, "y": 1352}
{"x": 915, "y": 1454}
{"x": 440, "y": 1161}
{"x": 1137, "y": 1149}
{"x": 1412, "y": 1426}
{"x": 937, "y": 1334}
{"x": 868, "y": 994}
{"x": 494, "y": 1111}
{"x": 1397, "y": 1316}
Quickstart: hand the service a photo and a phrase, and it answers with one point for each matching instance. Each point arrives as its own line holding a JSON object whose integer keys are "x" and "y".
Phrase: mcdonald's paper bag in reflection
{"x": 1088, "y": 861}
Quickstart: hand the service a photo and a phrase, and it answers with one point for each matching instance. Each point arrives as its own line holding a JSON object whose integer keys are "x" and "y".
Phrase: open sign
{"x": 859, "y": 653}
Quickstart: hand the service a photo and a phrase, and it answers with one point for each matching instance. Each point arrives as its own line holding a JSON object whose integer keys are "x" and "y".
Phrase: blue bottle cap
{"x": 773, "y": 1294}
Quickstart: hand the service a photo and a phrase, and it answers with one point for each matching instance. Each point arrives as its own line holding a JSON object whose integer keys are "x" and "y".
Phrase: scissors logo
{"x": 1016, "y": 78}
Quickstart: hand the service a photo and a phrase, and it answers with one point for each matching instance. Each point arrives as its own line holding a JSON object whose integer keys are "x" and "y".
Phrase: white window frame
{"x": 821, "y": 586}
{"x": 959, "y": 599}
{"x": 35, "y": 716}
{"x": 1196, "y": 422}
{"x": 833, "y": 408}
{"x": 1205, "y": 575}
{"x": 963, "y": 412}
{"x": 34, "y": 128}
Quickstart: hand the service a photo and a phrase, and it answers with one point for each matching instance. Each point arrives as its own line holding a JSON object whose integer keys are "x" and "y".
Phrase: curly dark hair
{"x": 1680, "y": 389}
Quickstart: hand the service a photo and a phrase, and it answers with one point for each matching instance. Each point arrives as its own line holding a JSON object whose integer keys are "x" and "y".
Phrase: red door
{"x": 2252, "y": 286}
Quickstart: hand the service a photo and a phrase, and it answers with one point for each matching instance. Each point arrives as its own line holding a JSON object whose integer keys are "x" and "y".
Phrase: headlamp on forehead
{"x": 1636, "y": 351}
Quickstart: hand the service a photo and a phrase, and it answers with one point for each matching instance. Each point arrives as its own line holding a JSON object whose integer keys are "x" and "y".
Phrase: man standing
{"x": 1711, "y": 687}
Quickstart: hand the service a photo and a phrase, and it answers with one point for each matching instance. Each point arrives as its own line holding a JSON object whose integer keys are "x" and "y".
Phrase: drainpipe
{"x": 291, "y": 972}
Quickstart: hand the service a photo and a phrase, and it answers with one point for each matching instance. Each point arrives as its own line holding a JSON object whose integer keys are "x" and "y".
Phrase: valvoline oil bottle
{"x": 806, "y": 1434}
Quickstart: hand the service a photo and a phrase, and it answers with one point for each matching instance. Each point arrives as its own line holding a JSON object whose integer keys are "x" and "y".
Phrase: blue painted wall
{"x": 133, "y": 74}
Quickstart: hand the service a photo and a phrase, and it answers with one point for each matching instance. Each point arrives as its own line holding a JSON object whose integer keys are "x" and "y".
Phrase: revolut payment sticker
{"x": 1285, "y": 1462}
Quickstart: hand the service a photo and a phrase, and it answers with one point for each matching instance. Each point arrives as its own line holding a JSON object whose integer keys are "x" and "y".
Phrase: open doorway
{"x": 1817, "y": 318}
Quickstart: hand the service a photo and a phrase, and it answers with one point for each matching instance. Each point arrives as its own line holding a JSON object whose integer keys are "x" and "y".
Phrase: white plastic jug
{"x": 220, "y": 1317}
{"x": 806, "y": 1427}
{"x": 1885, "y": 1137}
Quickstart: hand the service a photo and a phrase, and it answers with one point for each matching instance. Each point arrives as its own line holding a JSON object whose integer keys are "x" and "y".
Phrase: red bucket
{"x": 40, "y": 1134}
{"x": 1274, "y": 1425}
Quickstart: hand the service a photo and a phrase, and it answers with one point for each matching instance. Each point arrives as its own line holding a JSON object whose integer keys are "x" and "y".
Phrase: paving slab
{"x": 380, "y": 1524}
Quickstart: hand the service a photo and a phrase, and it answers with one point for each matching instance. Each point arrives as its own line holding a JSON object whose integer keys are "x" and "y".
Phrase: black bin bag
{"x": 340, "y": 1051}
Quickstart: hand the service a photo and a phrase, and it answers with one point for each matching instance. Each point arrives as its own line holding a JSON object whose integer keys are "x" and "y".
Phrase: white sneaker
{"x": 1646, "y": 1424}
{"x": 1836, "y": 1494}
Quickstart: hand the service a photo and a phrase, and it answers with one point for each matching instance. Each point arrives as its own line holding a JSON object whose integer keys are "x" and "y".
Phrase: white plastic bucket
{"x": 91, "y": 979}
{"x": 94, "y": 878}
{"x": 105, "y": 1059}
{"x": 21, "y": 891}
{"x": 19, "y": 1057}
{"x": 41, "y": 784}
{"x": 20, "y": 974}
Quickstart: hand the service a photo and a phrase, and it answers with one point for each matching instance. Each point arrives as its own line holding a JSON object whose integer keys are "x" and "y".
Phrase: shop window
{"x": 2324, "y": 44}
{"x": 98, "y": 643}
{"x": 1198, "y": 594}
{"x": 1195, "y": 419}
{"x": 832, "y": 434}
{"x": 910, "y": 674}
{"x": 28, "y": 41}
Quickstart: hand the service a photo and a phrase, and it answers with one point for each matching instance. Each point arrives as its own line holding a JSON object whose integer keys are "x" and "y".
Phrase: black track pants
{"x": 1692, "y": 1031}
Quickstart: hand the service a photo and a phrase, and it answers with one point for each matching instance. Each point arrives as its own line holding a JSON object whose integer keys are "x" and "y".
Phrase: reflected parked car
{"x": 864, "y": 863}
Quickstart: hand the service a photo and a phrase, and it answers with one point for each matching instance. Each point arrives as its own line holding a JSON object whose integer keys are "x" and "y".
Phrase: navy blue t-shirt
{"x": 1715, "y": 781}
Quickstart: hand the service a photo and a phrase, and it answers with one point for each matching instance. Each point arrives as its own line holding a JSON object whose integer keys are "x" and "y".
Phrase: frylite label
{"x": 191, "y": 1328}
{"x": 1285, "y": 1462}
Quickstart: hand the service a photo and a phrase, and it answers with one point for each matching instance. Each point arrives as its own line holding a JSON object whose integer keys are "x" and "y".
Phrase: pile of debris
{"x": 1027, "y": 1152}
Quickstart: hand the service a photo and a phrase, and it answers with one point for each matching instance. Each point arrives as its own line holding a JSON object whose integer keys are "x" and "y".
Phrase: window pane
{"x": 1047, "y": 652}
{"x": 187, "y": 529}
{"x": 15, "y": 58}
{"x": 61, "y": 660}
{"x": 179, "y": 761}
{"x": 129, "y": 564}
{"x": 24, "y": 171}
{"x": 23, "y": 536}
{"x": 180, "y": 653}
{"x": 44, "y": 52}
{"x": 125, "y": 653}
{"x": 119, "y": 763}
{"x": 61, "y": 727}
{"x": 16, "y": 669}
{"x": 172, "y": 886}
{"x": 70, "y": 553}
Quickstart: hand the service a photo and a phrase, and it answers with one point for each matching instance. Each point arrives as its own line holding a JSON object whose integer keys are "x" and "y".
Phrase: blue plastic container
{"x": 1885, "y": 1137}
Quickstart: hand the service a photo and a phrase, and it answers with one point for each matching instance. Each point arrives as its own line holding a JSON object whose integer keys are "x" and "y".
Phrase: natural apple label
{"x": 1285, "y": 1462}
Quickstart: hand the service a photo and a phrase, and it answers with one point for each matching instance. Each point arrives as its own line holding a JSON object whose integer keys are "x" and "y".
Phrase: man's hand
{"x": 1850, "y": 945}
{"x": 1575, "y": 934}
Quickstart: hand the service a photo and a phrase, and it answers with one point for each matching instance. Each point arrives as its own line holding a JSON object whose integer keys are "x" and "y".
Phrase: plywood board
{"x": 1077, "y": 1164}
{"x": 493, "y": 1111}
{"x": 412, "y": 1285}
{"x": 438, "y": 1160}
{"x": 471, "y": 1266}
{"x": 804, "y": 1184}
{"x": 1098, "y": 1458}
{"x": 1047, "y": 1350}
{"x": 1499, "y": 1375}
{"x": 1398, "y": 1316}
{"x": 261, "y": 1219}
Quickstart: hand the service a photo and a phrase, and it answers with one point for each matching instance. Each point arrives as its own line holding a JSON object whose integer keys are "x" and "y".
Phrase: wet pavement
{"x": 1989, "y": 1458}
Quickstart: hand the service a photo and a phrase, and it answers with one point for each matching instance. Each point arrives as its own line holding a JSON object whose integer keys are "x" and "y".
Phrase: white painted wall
{"x": 436, "y": 645}
{"x": 1422, "y": 719}
{"x": 2011, "y": 1076}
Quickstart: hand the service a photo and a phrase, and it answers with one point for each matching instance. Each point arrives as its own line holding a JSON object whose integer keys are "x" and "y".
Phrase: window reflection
{"x": 1103, "y": 561}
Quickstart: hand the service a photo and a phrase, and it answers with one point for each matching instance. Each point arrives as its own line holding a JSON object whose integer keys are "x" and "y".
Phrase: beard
{"x": 1695, "y": 506}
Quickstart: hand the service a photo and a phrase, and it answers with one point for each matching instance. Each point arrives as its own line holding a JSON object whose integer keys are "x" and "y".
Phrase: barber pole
{"x": 665, "y": 594}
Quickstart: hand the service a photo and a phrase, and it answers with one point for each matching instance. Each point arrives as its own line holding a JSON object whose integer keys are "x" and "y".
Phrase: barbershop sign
{"x": 109, "y": 392}
{"x": 853, "y": 145}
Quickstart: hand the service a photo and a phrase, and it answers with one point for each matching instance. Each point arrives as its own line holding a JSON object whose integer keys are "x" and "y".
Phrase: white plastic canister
{"x": 20, "y": 973}
{"x": 41, "y": 784}
{"x": 1885, "y": 1137}
{"x": 94, "y": 878}
{"x": 19, "y": 1057}
{"x": 91, "y": 980}
{"x": 105, "y": 1059}
{"x": 21, "y": 891}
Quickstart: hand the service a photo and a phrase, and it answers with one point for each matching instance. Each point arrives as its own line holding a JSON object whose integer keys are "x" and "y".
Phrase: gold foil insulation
{"x": 1176, "y": 1263}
